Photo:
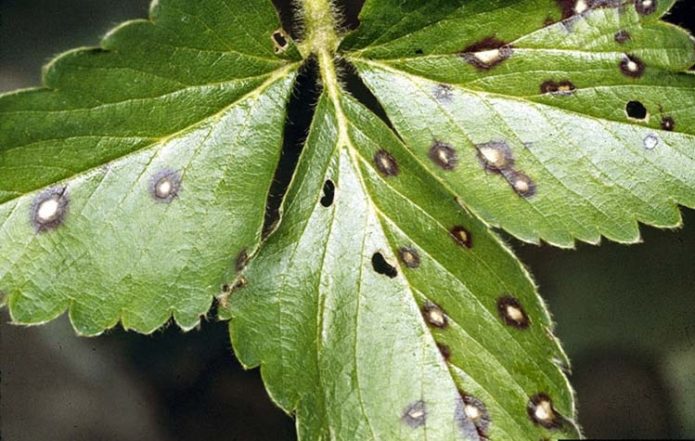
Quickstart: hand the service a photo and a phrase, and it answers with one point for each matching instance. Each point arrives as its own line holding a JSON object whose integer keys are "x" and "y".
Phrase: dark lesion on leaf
{"x": 622, "y": 37}
{"x": 542, "y": 412}
{"x": 386, "y": 163}
{"x": 520, "y": 182}
{"x": 443, "y": 93}
{"x": 49, "y": 209}
{"x": 495, "y": 156}
{"x": 443, "y": 155}
{"x": 564, "y": 87}
{"x": 434, "y": 315}
{"x": 242, "y": 259}
{"x": 462, "y": 236}
{"x": 444, "y": 350}
{"x": 632, "y": 66}
{"x": 415, "y": 415}
{"x": 474, "y": 410}
{"x": 668, "y": 123}
{"x": 381, "y": 266}
{"x": 512, "y": 312}
{"x": 410, "y": 257}
{"x": 487, "y": 53}
{"x": 646, "y": 7}
{"x": 165, "y": 185}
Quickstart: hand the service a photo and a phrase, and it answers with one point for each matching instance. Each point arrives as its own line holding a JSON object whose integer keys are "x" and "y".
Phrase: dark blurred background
{"x": 624, "y": 314}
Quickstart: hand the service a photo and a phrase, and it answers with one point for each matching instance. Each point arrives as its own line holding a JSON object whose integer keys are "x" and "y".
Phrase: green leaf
{"x": 133, "y": 179}
{"x": 383, "y": 310}
{"x": 548, "y": 102}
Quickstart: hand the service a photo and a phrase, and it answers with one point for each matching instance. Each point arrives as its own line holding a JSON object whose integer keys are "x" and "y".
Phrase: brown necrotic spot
{"x": 632, "y": 66}
{"x": 381, "y": 266}
{"x": 520, "y": 183}
{"x": 542, "y": 412}
{"x": 646, "y": 7}
{"x": 280, "y": 40}
{"x": 668, "y": 123}
{"x": 409, "y": 256}
{"x": 165, "y": 185}
{"x": 462, "y": 236}
{"x": 415, "y": 415}
{"x": 434, "y": 315}
{"x": 512, "y": 312}
{"x": 565, "y": 87}
{"x": 242, "y": 259}
{"x": 385, "y": 163}
{"x": 443, "y": 155}
{"x": 443, "y": 93}
{"x": 476, "y": 411}
{"x": 444, "y": 350}
{"x": 49, "y": 209}
{"x": 622, "y": 37}
{"x": 328, "y": 193}
{"x": 487, "y": 53}
{"x": 636, "y": 110}
{"x": 495, "y": 156}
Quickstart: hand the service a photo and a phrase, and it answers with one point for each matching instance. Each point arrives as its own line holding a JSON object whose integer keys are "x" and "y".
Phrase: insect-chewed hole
{"x": 541, "y": 411}
{"x": 636, "y": 110}
{"x": 668, "y": 123}
{"x": 280, "y": 40}
{"x": 165, "y": 185}
{"x": 410, "y": 257}
{"x": 386, "y": 163}
{"x": 512, "y": 312}
{"x": 49, "y": 209}
{"x": 622, "y": 37}
{"x": 434, "y": 315}
{"x": 381, "y": 266}
{"x": 443, "y": 155}
{"x": 632, "y": 66}
{"x": 415, "y": 415}
{"x": 328, "y": 193}
{"x": 646, "y": 7}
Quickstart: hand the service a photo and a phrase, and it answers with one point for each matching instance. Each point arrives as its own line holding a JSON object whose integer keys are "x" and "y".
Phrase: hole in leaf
{"x": 381, "y": 266}
{"x": 280, "y": 40}
{"x": 49, "y": 209}
{"x": 651, "y": 141}
{"x": 328, "y": 193}
{"x": 636, "y": 110}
